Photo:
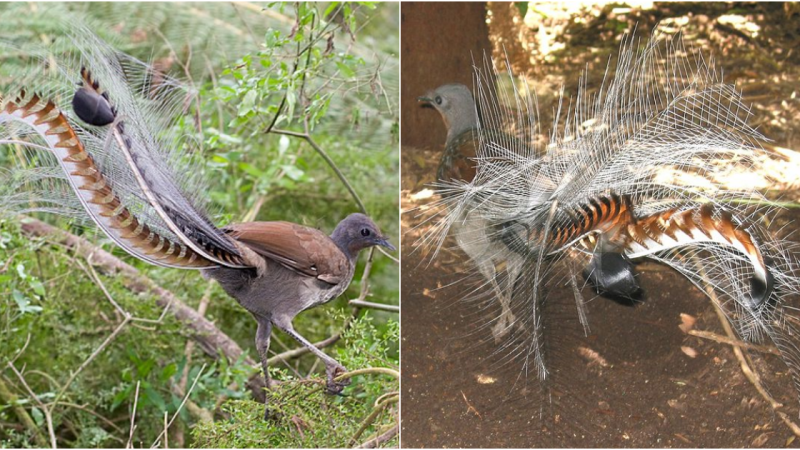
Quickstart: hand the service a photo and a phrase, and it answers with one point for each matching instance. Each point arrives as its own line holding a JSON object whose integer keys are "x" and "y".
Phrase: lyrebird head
{"x": 456, "y": 105}
{"x": 357, "y": 232}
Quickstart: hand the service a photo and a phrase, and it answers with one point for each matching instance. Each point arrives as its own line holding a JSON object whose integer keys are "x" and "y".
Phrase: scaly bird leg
{"x": 332, "y": 367}
{"x": 506, "y": 318}
{"x": 262, "y": 345}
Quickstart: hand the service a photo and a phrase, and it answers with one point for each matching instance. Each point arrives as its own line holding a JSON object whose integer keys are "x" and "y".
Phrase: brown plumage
{"x": 294, "y": 268}
{"x": 96, "y": 191}
{"x": 275, "y": 270}
{"x": 612, "y": 217}
{"x": 475, "y": 235}
{"x": 305, "y": 250}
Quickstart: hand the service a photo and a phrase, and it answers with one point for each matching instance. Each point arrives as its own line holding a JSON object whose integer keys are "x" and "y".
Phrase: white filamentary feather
{"x": 137, "y": 162}
{"x": 664, "y": 108}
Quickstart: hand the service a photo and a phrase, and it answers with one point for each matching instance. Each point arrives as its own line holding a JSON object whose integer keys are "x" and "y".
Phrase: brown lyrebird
{"x": 294, "y": 268}
{"x": 114, "y": 149}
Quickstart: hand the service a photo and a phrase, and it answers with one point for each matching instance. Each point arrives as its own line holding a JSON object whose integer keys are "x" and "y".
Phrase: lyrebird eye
{"x": 438, "y": 100}
{"x": 365, "y": 232}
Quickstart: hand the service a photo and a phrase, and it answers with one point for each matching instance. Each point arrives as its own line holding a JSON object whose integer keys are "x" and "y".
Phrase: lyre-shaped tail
{"x": 118, "y": 154}
{"x": 95, "y": 191}
{"x": 608, "y": 223}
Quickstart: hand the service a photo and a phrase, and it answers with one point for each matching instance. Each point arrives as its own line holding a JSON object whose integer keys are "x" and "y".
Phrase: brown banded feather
{"x": 86, "y": 176}
{"x": 612, "y": 216}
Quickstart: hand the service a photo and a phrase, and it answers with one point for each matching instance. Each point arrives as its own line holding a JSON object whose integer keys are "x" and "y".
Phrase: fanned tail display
{"x": 635, "y": 173}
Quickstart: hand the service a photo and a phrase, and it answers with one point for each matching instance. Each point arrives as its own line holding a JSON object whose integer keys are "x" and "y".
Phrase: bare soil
{"x": 636, "y": 380}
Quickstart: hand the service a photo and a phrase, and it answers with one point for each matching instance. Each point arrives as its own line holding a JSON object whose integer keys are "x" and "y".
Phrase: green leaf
{"x": 345, "y": 69}
{"x": 24, "y": 303}
{"x": 331, "y": 8}
{"x": 522, "y": 7}
{"x": 37, "y": 287}
{"x": 121, "y": 397}
{"x": 168, "y": 371}
{"x": 251, "y": 170}
{"x": 293, "y": 172}
{"x": 38, "y": 416}
{"x": 248, "y": 102}
{"x": 155, "y": 399}
{"x": 291, "y": 100}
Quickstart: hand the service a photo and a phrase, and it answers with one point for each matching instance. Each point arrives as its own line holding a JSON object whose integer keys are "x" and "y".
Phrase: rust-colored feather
{"x": 97, "y": 190}
{"x": 303, "y": 249}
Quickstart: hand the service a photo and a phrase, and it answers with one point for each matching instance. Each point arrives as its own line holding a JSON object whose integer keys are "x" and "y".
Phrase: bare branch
{"x": 372, "y": 305}
{"x": 48, "y": 417}
{"x": 210, "y": 339}
{"x": 133, "y": 417}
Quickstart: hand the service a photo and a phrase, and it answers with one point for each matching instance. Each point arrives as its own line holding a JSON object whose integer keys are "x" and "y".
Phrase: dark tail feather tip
{"x": 761, "y": 290}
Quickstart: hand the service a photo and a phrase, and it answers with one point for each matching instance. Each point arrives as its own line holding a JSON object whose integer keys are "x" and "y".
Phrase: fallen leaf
{"x": 485, "y": 379}
{"x": 687, "y": 322}
{"x": 421, "y": 195}
{"x": 593, "y": 356}
{"x": 760, "y": 440}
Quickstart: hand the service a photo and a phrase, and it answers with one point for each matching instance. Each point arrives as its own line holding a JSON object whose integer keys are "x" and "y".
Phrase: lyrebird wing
{"x": 302, "y": 249}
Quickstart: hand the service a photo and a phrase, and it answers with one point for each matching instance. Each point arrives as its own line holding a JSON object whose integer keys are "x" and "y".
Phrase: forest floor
{"x": 636, "y": 378}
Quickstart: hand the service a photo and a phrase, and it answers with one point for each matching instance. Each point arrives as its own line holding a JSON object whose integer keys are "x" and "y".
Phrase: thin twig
{"x": 370, "y": 419}
{"x": 735, "y": 342}
{"x": 371, "y": 305}
{"x": 22, "y": 350}
{"x": 127, "y": 318}
{"x": 133, "y": 417}
{"x": 470, "y": 407}
{"x": 180, "y": 407}
{"x": 385, "y": 437}
{"x": 792, "y": 426}
{"x": 306, "y": 137}
{"x": 386, "y": 254}
{"x": 294, "y": 353}
{"x": 746, "y": 370}
{"x": 96, "y": 414}
{"x": 48, "y": 417}
{"x": 369, "y": 370}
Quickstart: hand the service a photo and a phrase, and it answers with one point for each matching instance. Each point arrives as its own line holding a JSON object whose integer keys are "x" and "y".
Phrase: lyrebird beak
{"x": 424, "y": 99}
{"x": 384, "y": 242}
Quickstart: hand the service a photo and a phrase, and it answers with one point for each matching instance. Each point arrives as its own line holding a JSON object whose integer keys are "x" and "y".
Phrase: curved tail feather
{"x": 95, "y": 190}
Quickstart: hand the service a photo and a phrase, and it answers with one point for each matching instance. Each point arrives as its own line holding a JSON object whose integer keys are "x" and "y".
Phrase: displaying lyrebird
{"x": 607, "y": 191}
{"x": 122, "y": 167}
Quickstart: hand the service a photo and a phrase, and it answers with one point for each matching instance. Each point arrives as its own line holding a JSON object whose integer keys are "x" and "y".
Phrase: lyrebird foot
{"x": 334, "y": 387}
{"x": 505, "y": 323}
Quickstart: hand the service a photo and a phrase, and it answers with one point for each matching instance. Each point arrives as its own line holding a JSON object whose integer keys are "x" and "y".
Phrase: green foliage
{"x": 306, "y": 417}
{"x": 326, "y": 70}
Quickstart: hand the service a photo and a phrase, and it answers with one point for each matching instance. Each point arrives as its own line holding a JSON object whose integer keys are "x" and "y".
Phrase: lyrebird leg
{"x": 262, "y": 345}
{"x": 332, "y": 367}
{"x": 506, "y": 318}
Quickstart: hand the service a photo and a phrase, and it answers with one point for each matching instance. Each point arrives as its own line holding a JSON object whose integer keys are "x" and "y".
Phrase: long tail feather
{"x": 95, "y": 191}
{"x": 599, "y": 186}
{"x": 109, "y": 121}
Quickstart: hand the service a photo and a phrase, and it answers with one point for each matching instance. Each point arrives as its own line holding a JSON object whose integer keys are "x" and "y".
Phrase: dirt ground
{"x": 637, "y": 378}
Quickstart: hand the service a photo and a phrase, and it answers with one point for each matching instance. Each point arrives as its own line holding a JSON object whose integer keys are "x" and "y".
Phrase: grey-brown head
{"x": 456, "y": 105}
{"x": 357, "y": 232}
